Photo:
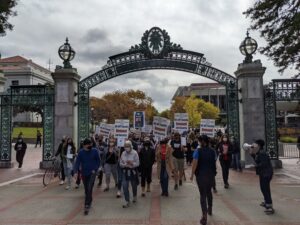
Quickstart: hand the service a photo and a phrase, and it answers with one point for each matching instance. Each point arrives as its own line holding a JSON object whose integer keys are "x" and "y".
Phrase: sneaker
{"x": 167, "y": 194}
{"x": 61, "y": 182}
{"x": 176, "y": 187}
{"x": 215, "y": 190}
{"x": 76, "y": 186}
{"x": 86, "y": 210}
{"x": 134, "y": 200}
{"x": 180, "y": 182}
{"x": 118, "y": 194}
{"x": 263, "y": 204}
{"x": 269, "y": 211}
{"x": 226, "y": 186}
{"x": 67, "y": 187}
{"x": 125, "y": 205}
{"x": 143, "y": 194}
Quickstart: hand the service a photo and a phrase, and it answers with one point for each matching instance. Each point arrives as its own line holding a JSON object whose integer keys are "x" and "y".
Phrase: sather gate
{"x": 156, "y": 51}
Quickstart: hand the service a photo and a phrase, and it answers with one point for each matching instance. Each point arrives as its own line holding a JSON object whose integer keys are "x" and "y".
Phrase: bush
{"x": 288, "y": 139}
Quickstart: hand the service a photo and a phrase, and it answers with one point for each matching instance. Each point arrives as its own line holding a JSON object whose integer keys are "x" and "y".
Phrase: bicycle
{"x": 52, "y": 172}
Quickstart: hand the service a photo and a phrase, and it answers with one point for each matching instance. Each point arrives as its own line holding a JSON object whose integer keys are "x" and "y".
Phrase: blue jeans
{"x": 125, "y": 184}
{"x": 164, "y": 178}
{"x": 67, "y": 172}
{"x": 120, "y": 175}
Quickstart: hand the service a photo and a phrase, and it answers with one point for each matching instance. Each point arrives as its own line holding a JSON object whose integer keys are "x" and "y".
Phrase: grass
{"x": 287, "y": 139}
{"x": 28, "y": 132}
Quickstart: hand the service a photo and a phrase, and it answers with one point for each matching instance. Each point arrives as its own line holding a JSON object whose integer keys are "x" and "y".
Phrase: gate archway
{"x": 156, "y": 51}
{"x": 31, "y": 95}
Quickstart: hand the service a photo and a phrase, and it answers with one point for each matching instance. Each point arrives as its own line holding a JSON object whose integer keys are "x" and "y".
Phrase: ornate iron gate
{"x": 277, "y": 90}
{"x": 156, "y": 51}
{"x": 34, "y": 96}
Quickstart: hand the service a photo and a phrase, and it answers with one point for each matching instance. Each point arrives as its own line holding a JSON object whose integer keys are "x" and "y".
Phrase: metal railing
{"x": 288, "y": 150}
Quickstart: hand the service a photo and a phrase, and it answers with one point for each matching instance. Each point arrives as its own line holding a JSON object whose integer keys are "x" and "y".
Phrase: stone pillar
{"x": 2, "y": 81}
{"x": 66, "y": 89}
{"x": 251, "y": 106}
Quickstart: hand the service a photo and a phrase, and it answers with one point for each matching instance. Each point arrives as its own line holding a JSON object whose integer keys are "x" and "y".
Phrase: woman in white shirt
{"x": 68, "y": 156}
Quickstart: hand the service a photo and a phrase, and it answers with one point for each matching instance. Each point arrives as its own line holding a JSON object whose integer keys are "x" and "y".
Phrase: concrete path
{"x": 28, "y": 202}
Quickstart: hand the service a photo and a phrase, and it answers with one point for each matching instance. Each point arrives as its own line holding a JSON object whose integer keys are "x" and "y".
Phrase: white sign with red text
{"x": 181, "y": 122}
{"x": 121, "y": 128}
{"x": 207, "y": 127}
{"x": 106, "y": 129}
{"x": 160, "y": 127}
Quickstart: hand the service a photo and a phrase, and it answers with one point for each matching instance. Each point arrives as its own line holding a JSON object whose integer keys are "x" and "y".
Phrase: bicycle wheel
{"x": 48, "y": 175}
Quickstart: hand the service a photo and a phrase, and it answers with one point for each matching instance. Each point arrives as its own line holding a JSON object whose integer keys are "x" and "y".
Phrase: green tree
{"x": 208, "y": 110}
{"x": 166, "y": 114}
{"x": 191, "y": 107}
{"x": 6, "y": 10}
{"x": 279, "y": 24}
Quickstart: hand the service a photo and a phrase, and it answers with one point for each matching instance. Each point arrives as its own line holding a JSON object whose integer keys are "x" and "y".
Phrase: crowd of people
{"x": 100, "y": 157}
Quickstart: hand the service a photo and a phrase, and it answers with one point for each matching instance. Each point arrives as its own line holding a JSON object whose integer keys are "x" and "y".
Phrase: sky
{"x": 98, "y": 29}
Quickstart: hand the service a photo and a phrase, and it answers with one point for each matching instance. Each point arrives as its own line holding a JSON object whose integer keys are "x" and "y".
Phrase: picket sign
{"x": 138, "y": 120}
{"x": 106, "y": 129}
{"x": 160, "y": 127}
{"x": 181, "y": 122}
{"x": 207, "y": 127}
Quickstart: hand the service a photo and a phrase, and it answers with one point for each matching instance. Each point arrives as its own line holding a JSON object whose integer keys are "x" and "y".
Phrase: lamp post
{"x": 248, "y": 48}
{"x": 66, "y": 53}
{"x": 92, "y": 117}
{"x": 37, "y": 120}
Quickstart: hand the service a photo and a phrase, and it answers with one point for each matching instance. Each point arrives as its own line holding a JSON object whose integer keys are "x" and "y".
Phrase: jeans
{"x": 108, "y": 170}
{"x": 125, "y": 184}
{"x": 68, "y": 172}
{"x": 225, "y": 164}
{"x": 146, "y": 175}
{"x": 236, "y": 161}
{"x": 119, "y": 172}
{"x": 63, "y": 177}
{"x": 266, "y": 190}
{"x": 88, "y": 182}
{"x": 78, "y": 179}
{"x": 164, "y": 178}
{"x": 206, "y": 197}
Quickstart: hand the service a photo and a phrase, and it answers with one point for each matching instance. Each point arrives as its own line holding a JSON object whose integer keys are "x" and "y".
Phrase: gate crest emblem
{"x": 155, "y": 41}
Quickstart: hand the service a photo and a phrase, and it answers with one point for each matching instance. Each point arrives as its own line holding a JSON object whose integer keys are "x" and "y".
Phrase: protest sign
{"x": 121, "y": 128}
{"x": 106, "y": 129}
{"x": 181, "y": 122}
{"x": 207, "y": 127}
{"x": 138, "y": 120}
{"x": 160, "y": 127}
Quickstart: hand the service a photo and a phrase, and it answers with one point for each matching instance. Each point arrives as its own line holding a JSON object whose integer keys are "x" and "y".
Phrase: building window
{"x": 14, "y": 82}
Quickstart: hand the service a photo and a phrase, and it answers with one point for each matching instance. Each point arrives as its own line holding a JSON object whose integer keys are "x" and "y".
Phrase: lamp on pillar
{"x": 66, "y": 53}
{"x": 248, "y": 47}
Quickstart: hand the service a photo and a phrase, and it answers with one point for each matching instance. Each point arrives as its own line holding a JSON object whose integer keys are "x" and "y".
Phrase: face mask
{"x": 224, "y": 139}
{"x": 20, "y": 141}
{"x": 147, "y": 143}
{"x": 111, "y": 144}
{"x": 127, "y": 149}
{"x": 90, "y": 147}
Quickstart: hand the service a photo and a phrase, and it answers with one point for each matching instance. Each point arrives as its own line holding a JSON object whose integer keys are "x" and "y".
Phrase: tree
{"x": 177, "y": 106}
{"x": 279, "y": 24}
{"x": 166, "y": 114}
{"x": 6, "y": 11}
{"x": 121, "y": 105}
{"x": 191, "y": 107}
{"x": 208, "y": 110}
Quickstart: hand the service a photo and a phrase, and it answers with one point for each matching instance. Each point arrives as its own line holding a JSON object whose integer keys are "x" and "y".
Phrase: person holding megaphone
{"x": 264, "y": 170}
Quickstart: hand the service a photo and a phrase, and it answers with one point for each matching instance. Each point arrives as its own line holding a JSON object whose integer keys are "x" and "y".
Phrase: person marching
{"x": 68, "y": 156}
{"x": 204, "y": 168}
{"x": 59, "y": 152}
{"x": 20, "y": 148}
{"x": 101, "y": 149}
{"x": 178, "y": 157}
{"x": 224, "y": 150}
{"x": 264, "y": 170}
{"x": 129, "y": 162}
{"x": 165, "y": 166}
{"x": 110, "y": 161}
{"x": 147, "y": 159}
{"x": 89, "y": 161}
{"x": 38, "y": 138}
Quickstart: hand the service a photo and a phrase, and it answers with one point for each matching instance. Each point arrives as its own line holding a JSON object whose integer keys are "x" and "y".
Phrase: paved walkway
{"x": 28, "y": 202}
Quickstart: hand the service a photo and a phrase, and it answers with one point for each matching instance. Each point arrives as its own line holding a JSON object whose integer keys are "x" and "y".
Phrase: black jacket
{"x": 263, "y": 164}
{"x": 147, "y": 157}
{"x": 220, "y": 151}
{"x": 20, "y": 146}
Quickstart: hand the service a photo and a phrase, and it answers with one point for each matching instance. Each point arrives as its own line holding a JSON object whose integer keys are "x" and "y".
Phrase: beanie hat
{"x": 87, "y": 141}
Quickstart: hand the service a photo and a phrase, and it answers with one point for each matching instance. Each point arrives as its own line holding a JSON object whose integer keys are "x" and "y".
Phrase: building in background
{"x": 18, "y": 70}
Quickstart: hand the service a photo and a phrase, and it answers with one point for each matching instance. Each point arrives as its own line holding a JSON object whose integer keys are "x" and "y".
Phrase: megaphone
{"x": 247, "y": 146}
{"x": 252, "y": 149}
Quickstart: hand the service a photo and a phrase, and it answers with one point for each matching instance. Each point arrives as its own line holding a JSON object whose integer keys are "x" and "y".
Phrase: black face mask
{"x": 147, "y": 143}
{"x": 90, "y": 147}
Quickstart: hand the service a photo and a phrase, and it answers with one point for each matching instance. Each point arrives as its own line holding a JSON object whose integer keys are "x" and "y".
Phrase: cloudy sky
{"x": 98, "y": 29}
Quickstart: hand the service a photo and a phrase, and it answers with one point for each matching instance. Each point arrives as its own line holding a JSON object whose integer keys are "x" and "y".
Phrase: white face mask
{"x": 127, "y": 149}
{"x": 225, "y": 139}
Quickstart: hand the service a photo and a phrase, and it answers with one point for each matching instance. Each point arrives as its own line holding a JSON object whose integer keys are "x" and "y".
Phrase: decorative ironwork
{"x": 42, "y": 96}
{"x": 232, "y": 109}
{"x": 156, "y": 54}
{"x": 277, "y": 90}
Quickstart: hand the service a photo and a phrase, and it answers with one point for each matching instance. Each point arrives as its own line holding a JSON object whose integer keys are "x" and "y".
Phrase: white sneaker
{"x": 61, "y": 182}
{"x": 67, "y": 187}
{"x": 126, "y": 205}
{"x": 134, "y": 199}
